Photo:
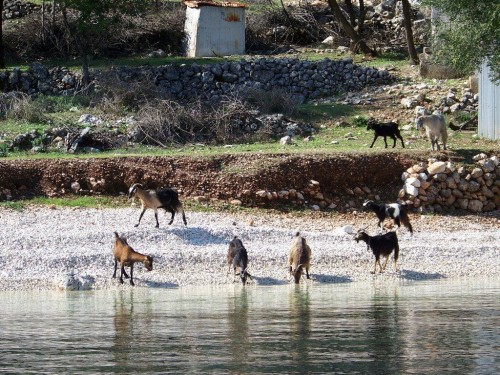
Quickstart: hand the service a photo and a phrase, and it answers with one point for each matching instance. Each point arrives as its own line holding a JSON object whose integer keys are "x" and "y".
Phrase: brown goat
{"x": 300, "y": 258}
{"x": 127, "y": 256}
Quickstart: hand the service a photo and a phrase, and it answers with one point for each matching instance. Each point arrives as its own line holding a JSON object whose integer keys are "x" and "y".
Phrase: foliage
{"x": 472, "y": 37}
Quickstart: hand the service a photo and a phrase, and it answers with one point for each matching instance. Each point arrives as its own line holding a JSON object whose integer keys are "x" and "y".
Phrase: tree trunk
{"x": 409, "y": 32}
{"x": 349, "y": 30}
{"x": 350, "y": 12}
{"x": 361, "y": 19}
{"x": 2, "y": 58}
{"x": 80, "y": 47}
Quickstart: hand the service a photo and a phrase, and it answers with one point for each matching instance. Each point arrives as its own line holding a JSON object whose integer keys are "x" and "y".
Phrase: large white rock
{"x": 411, "y": 190}
{"x": 413, "y": 181}
{"x": 436, "y": 167}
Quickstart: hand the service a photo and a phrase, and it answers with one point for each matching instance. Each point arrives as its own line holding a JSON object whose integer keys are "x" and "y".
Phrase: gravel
{"x": 45, "y": 248}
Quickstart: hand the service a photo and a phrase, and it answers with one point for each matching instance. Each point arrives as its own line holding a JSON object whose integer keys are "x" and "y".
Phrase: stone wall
{"x": 439, "y": 185}
{"x": 304, "y": 79}
{"x": 18, "y": 9}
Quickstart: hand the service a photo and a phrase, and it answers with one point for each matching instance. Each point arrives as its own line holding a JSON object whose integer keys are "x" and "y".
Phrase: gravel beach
{"x": 41, "y": 248}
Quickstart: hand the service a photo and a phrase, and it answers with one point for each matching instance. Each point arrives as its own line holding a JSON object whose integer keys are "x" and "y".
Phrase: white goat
{"x": 435, "y": 128}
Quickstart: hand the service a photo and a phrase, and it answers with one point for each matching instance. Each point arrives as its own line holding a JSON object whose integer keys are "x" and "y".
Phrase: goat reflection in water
{"x": 300, "y": 325}
{"x": 239, "y": 332}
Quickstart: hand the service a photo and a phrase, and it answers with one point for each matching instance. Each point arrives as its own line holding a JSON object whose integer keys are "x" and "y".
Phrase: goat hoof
{"x": 121, "y": 281}
{"x": 136, "y": 225}
{"x": 372, "y": 272}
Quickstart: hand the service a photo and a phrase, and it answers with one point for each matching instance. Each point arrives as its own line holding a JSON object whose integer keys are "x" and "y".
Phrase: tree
{"x": 409, "y": 32}
{"x": 81, "y": 16}
{"x": 2, "y": 57}
{"x": 356, "y": 37}
{"x": 472, "y": 37}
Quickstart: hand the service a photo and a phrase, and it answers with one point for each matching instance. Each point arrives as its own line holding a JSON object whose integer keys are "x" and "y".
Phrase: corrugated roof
{"x": 204, "y": 3}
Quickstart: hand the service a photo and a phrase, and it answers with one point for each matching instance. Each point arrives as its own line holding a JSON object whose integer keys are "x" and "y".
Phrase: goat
{"x": 435, "y": 128}
{"x": 237, "y": 257}
{"x": 388, "y": 129}
{"x": 167, "y": 198}
{"x": 127, "y": 256}
{"x": 395, "y": 211}
{"x": 300, "y": 257}
{"x": 381, "y": 245}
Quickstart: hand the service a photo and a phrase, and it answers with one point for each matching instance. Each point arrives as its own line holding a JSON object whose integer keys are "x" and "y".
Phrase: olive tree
{"x": 81, "y": 16}
{"x": 471, "y": 37}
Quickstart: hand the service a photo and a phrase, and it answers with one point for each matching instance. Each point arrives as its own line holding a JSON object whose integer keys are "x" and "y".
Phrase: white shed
{"x": 214, "y": 29}
{"x": 489, "y": 105}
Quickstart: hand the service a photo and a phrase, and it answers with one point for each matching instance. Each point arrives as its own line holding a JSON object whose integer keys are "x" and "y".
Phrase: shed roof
{"x": 203, "y": 3}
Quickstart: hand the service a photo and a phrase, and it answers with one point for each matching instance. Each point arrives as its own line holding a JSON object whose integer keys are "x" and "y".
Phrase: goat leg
{"x": 122, "y": 270}
{"x": 116, "y": 265}
{"x": 385, "y": 141}
{"x": 125, "y": 273}
{"x": 394, "y": 139}
{"x": 374, "y": 267}
{"x": 374, "y": 139}
{"x": 131, "y": 274}
{"x": 385, "y": 264}
{"x": 156, "y": 217}
{"x": 307, "y": 273}
{"x": 172, "y": 217}
{"x": 140, "y": 217}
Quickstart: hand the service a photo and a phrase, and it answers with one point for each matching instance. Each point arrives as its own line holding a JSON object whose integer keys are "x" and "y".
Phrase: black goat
{"x": 388, "y": 129}
{"x": 167, "y": 198}
{"x": 237, "y": 257}
{"x": 395, "y": 211}
{"x": 381, "y": 245}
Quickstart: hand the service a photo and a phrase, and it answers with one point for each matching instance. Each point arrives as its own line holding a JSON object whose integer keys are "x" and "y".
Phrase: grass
{"x": 69, "y": 201}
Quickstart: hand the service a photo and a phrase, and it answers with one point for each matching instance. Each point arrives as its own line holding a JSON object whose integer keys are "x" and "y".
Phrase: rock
{"x": 75, "y": 186}
{"x": 236, "y": 202}
{"x": 329, "y": 40}
{"x": 436, "y": 167}
{"x": 409, "y": 103}
{"x": 413, "y": 181}
{"x": 315, "y": 207}
{"x": 286, "y": 140}
{"x": 475, "y": 205}
{"x": 487, "y": 165}
{"x": 89, "y": 119}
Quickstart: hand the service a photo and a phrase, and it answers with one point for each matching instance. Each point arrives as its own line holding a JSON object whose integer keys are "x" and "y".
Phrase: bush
{"x": 274, "y": 101}
{"x": 23, "y": 107}
{"x": 360, "y": 121}
{"x": 166, "y": 122}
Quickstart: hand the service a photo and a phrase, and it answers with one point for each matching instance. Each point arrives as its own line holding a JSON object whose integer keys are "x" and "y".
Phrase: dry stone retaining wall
{"x": 304, "y": 79}
{"x": 439, "y": 185}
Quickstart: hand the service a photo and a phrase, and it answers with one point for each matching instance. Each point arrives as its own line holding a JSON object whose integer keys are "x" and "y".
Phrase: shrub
{"x": 23, "y": 107}
{"x": 360, "y": 121}
{"x": 274, "y": 101}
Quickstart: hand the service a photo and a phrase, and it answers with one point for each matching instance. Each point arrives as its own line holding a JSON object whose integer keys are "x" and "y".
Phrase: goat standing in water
{"x": 167, "y": 198}
{"x": 300, "y": 257}
{"x": 237, "y": 257}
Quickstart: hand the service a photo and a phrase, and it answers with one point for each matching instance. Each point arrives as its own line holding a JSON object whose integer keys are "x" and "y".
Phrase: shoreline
{"x": 40, "y": 246}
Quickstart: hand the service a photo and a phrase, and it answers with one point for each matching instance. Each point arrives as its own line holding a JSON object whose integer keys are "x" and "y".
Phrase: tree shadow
{"x": 331, "y": 279}
{"x": 415, "y": 275}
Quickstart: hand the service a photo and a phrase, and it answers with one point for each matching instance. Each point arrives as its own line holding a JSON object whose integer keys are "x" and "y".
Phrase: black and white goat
{"x": 237, "y": 256}
{"x": 382, "y": 246}
{"x": 167, "y": 198}
{"x": 395, "y": 211}
{"x": 388, "y": 129}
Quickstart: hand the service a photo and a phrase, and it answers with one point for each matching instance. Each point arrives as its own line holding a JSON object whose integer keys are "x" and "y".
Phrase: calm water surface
{"x": 383, "y": 327}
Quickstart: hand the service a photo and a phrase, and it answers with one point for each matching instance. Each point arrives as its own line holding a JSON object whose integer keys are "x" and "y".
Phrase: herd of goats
{"x": 237, "y": 257}
{"x": 300, "y": 255}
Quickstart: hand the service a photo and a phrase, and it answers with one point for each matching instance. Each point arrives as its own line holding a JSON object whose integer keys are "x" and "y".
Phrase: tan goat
{"x": 300, "y": 257}
{"x": 435, "y": 128}
{"x": 127, "y": 256}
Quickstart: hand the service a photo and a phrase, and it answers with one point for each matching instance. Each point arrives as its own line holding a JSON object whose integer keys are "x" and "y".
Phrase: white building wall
{"x": 489, "y": 105}
{"x": 215, "y": 31}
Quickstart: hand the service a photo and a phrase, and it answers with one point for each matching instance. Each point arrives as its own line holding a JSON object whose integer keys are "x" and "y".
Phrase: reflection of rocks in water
{"x": 300, "y": 326}
{"x": 71, "y": 281}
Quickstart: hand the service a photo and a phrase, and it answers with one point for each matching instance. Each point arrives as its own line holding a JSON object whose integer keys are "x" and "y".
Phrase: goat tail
{"x": 405, "y": 220}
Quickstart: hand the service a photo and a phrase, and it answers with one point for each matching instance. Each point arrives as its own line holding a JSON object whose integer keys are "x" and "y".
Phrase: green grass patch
{"x": 83, "y": 201}
{"x": 13, "y": 205}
